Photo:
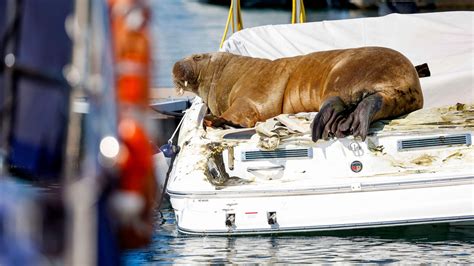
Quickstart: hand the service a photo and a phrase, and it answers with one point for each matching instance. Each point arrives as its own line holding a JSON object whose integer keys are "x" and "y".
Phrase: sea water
{"x": 439, "y": 244}
{"x": 183, "y": 27}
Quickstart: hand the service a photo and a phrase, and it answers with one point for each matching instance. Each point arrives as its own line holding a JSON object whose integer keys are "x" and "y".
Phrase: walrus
{"x": 349, "y": 88}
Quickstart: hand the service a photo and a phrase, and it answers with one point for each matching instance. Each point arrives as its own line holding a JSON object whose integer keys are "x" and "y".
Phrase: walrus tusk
{"x": 181, "y": 90}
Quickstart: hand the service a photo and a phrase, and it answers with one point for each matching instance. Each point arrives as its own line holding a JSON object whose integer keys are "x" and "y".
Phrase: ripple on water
{"x": 426, "y": 244}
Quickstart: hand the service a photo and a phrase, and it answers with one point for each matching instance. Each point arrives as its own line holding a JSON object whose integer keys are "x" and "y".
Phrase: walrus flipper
{"x": 337, "y": 119}
{"x": 211, "y": 120}
{"x": 241, "y": 113}
{"x": 331, "y": 113}
{"x": 358, "y": 121}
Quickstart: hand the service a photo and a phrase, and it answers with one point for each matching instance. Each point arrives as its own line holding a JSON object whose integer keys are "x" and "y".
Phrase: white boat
{"x": 417, "y": 169}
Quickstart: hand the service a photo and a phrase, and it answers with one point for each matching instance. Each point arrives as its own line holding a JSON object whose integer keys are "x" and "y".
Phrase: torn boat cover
{"x": 416, "y": 169}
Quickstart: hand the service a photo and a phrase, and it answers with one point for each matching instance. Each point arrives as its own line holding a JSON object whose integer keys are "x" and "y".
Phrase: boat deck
{"x": 443, "y": 154}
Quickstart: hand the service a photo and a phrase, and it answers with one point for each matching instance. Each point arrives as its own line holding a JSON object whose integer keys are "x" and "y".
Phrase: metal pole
{"x": 298, "y": 11}
{"x": 80, "y": 194}
{"x": 235, "y": 15}
{"x": 8, "y": 61}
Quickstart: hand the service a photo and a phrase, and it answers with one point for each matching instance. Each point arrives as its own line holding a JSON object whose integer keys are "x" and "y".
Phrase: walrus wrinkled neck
{"x": 210, "y": 74}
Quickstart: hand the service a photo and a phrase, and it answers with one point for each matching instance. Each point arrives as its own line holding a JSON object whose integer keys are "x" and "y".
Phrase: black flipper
{"x": 337, "y": 119}
{"x": 358, "y": 122}
{"x": 331, "y": 112}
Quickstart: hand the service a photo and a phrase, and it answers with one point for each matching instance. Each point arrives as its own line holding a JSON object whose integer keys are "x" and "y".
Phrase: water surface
{"x": 184, "y": 27}
{"x": 440, "y": 244}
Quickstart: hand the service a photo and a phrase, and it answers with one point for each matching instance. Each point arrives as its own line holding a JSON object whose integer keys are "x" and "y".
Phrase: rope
{"x": 240, "y": 22}
{"x": 170, "y": 140}
{"x": 232, "y": 20}
{"x": 303, "y": 13}
{"x": 298, "y": 13}
{"x": 229, "y": 17}
{"x": 293, "y": 12}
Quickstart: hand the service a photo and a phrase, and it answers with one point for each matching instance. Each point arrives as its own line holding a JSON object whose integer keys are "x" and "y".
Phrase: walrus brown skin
{"x": 349, "y": 88}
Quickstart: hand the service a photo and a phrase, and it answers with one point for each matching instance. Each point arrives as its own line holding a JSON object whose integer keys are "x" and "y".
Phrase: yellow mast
{"x": 298, "y": 14}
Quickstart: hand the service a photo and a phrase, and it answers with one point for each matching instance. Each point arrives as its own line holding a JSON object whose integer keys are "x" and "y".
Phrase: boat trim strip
{"x": 349, "y": 188}
{"x": 336, "y": 227}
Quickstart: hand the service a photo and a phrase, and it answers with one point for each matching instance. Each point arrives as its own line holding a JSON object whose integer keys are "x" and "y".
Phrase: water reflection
{"x": 419, "y": 244}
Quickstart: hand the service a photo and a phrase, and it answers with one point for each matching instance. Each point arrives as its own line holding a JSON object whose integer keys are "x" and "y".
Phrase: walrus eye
{"x": 197, "y": 57}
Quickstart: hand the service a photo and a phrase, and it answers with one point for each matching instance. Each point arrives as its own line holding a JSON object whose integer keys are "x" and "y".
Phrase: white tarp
{"x": 444, "y": 40}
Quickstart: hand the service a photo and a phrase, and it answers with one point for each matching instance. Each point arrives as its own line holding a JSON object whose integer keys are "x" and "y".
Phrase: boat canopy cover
{"x": 444, "y": 40}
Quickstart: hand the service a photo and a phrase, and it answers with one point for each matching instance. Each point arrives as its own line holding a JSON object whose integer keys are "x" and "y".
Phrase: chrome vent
{"x": 277, "y": 154}
{"x": 441, "y": 141}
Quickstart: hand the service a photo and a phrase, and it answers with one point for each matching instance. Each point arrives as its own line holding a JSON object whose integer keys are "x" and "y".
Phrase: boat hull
{"x": 314, "y": 210}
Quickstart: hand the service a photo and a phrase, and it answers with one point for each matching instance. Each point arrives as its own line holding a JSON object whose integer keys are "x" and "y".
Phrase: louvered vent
{"x": 442, "y": 141}
{"x": 277, "y": 154}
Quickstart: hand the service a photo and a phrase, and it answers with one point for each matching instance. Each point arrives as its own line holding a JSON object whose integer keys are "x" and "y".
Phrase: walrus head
{"x": 187, "y": 72}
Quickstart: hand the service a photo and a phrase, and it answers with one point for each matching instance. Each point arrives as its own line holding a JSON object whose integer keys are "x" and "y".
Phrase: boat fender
{"x": 161, "y": 169}
{"x": 169, "y": 150}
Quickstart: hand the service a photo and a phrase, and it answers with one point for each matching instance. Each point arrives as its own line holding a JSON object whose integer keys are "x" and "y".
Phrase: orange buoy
{"x": 136, "y": 197}
{"x": 131, "y": 49}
